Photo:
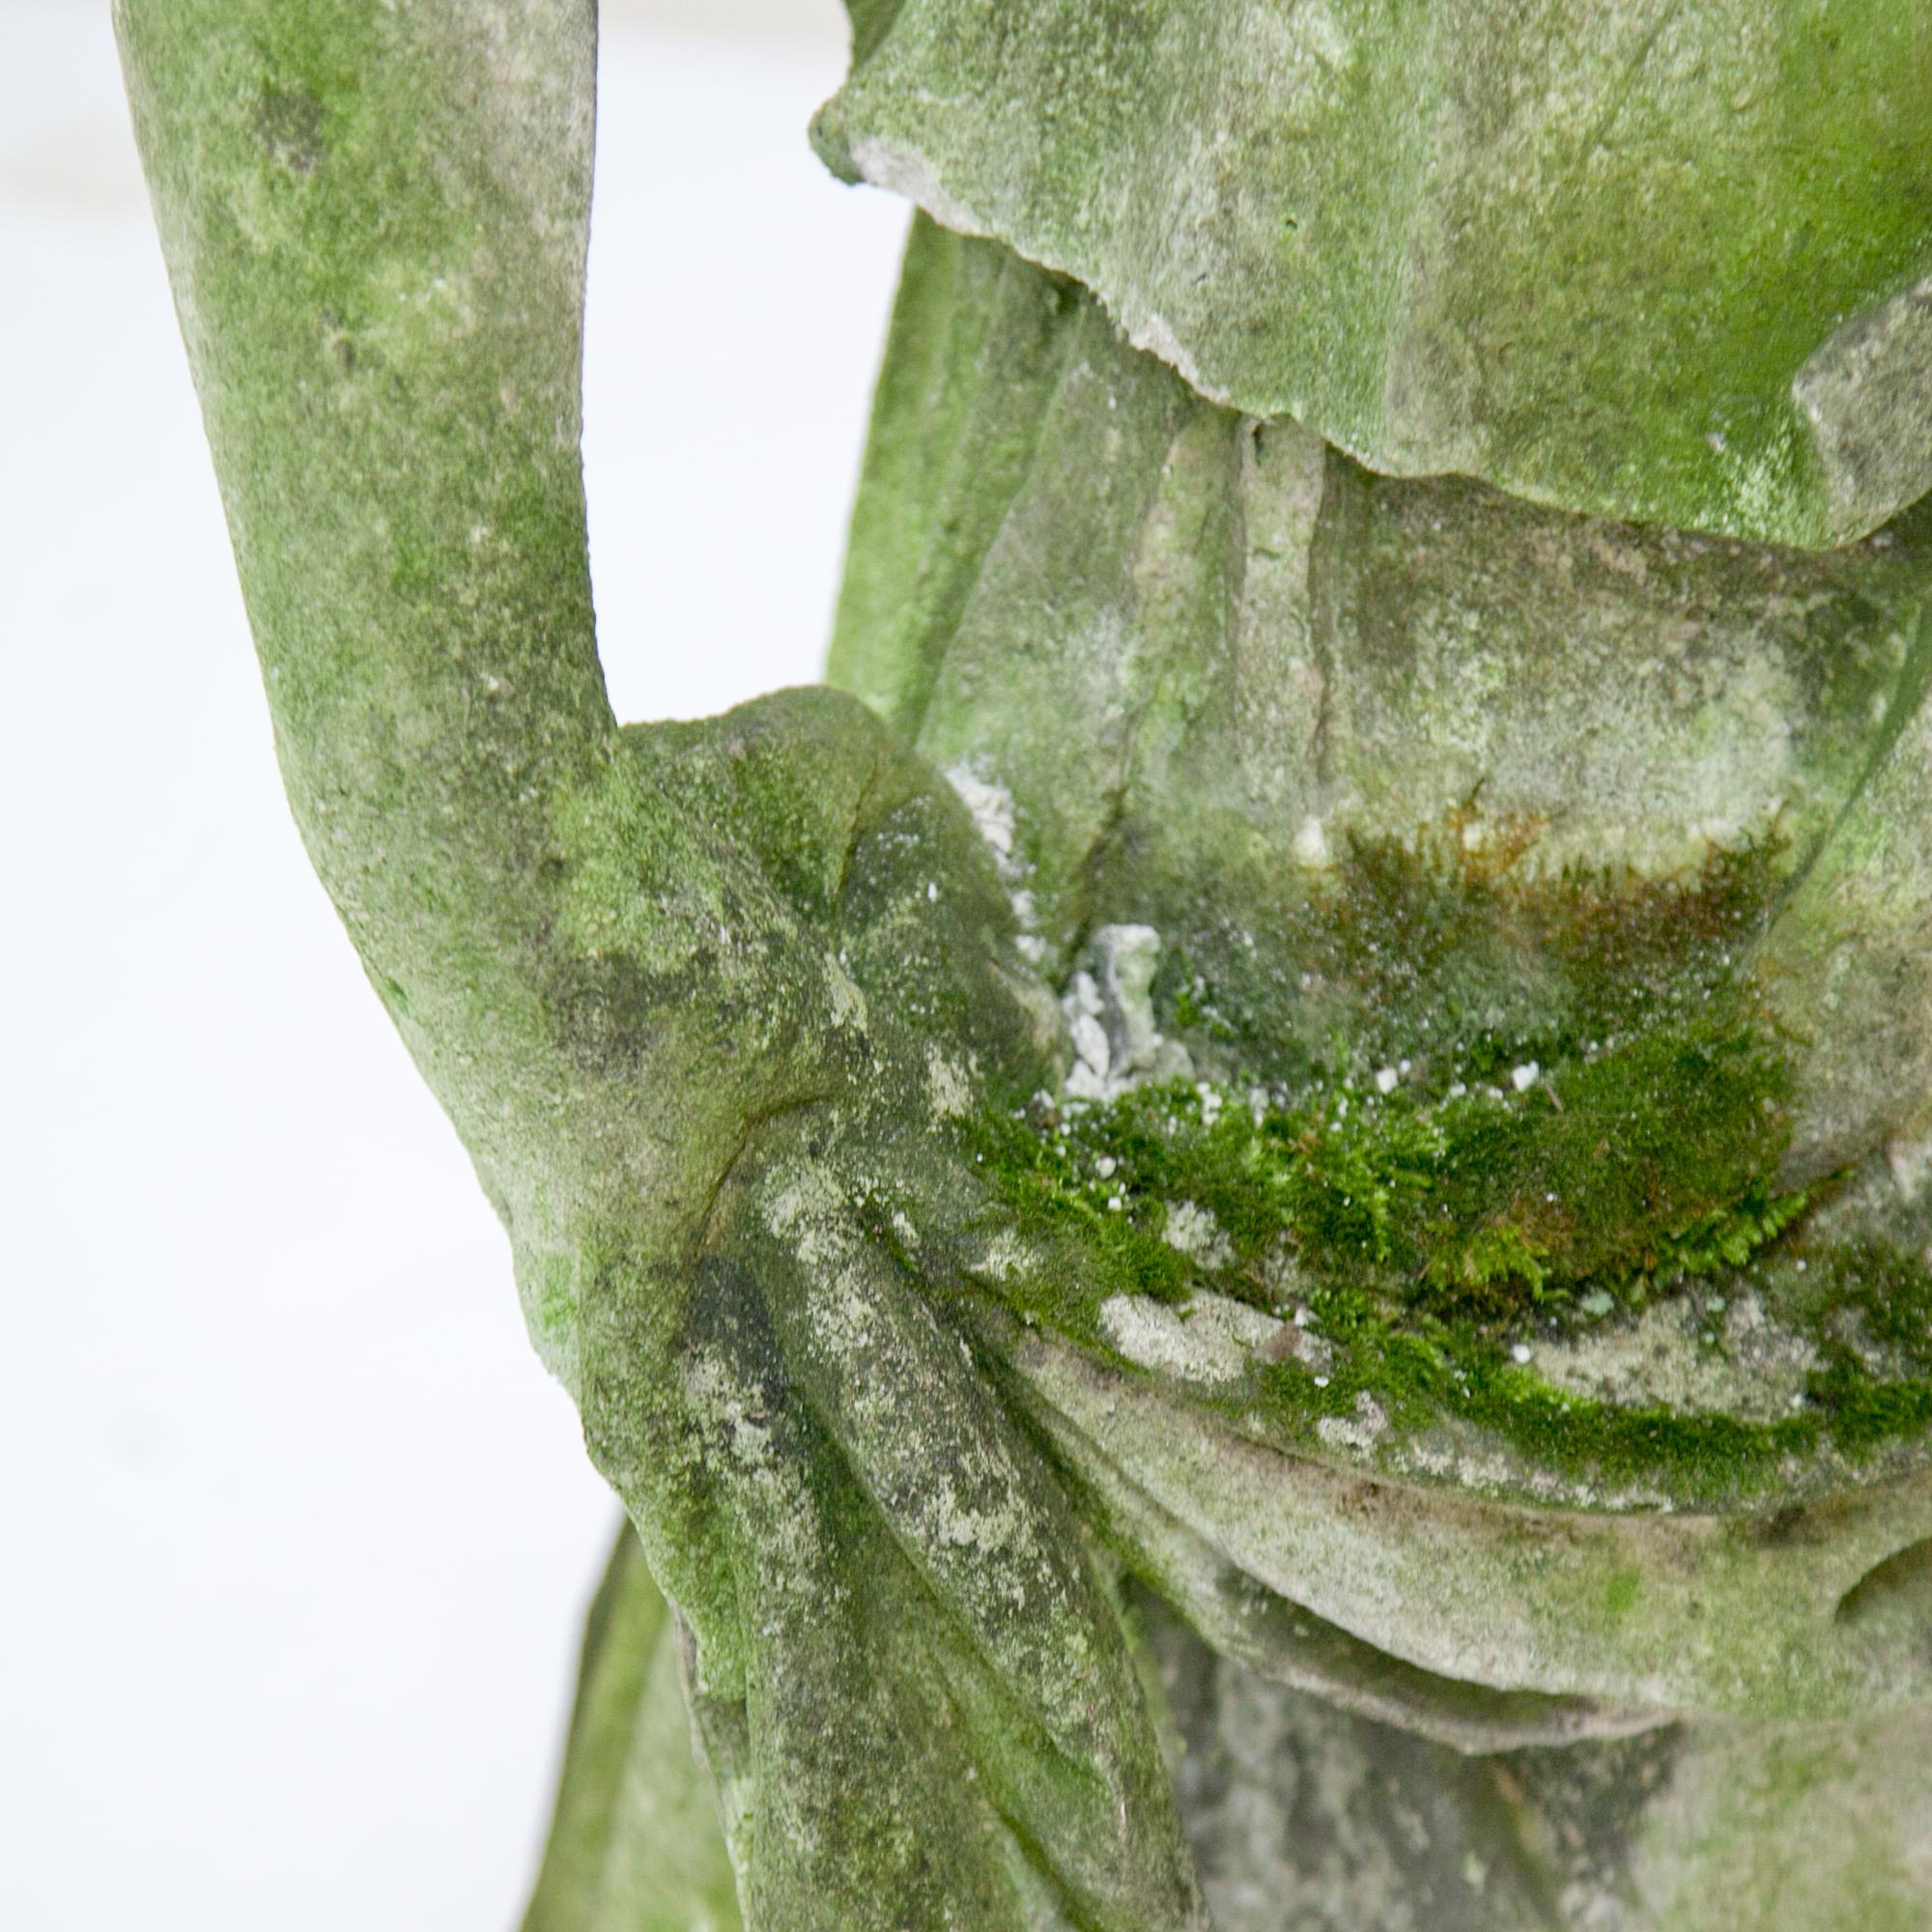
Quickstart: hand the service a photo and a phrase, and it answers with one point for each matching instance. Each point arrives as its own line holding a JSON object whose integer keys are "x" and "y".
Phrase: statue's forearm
{"x": 375, "y": 221}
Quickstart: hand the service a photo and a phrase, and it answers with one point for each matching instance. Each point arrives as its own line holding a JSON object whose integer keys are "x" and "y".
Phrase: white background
{"x": 295, "y": 1534}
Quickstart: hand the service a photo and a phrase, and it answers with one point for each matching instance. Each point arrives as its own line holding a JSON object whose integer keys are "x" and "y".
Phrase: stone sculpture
{"x": 1247, "y": 1224}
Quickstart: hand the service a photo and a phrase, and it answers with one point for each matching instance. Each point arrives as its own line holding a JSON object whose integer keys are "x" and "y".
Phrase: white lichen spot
{"x": 958, "y": 1525}
{"x": 1910, "y": 1159}
{"x": 1520, "y": 1354}
{"x": 1004, "y": 1256}
{"x": 1386, "y": 1080}
{"x": 1212, "y": 1342}
{"x": 849, "y": 1002}
{"x": 715, "y": 1395}
{"x": 1090, "y": 1042}
{"x": 996, "y": 820}
{"x": 1108, "y": 1007}
{"x": 1359, "y": 1432}
{"x": 1725, "y": 1355}
{"x": 1083, "y": 1084}
{"x": 1195, "y": 1233}
{"x": 948, "y": 1092}
{"x": 1311, "y": 842}
{"x": 1235, "y": 1322}
{"x": 1523, "y": 1078}
{"x": 991, "y": 807}
{"x": 1128, "y": 957}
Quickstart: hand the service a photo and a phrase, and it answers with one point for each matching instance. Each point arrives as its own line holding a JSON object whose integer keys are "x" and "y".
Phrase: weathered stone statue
{"x": 1248, "y": 1227}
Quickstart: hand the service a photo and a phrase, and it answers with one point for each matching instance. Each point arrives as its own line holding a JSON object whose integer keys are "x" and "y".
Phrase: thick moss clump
{"x": 1300, "y": 1213}
{"x": 1655, "y": 1159}
{"x": 1452, "y": 1085}
{"x": 1423, "y": 1176}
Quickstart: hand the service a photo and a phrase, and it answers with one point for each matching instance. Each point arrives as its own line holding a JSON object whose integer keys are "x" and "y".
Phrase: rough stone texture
{"x": 720, "y": 1009}
{"x": 1276, "y": 652}
{"x": 1277, "y": 655}
{"x": 1637, "y": 1610}
{"x": 1663, "y": 1354}
{"x": 1642, "y": 259}
{"x": 1306, "y": 1815}
{"x": 1305, "y": 1818}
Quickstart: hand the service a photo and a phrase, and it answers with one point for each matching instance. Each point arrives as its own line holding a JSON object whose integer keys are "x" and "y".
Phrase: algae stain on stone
{"x": 1400, "y": 1208}
{"x": 1621, "y": 1594}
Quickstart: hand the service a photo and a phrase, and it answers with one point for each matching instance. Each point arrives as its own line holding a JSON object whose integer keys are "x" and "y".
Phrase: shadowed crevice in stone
{"x": 1899, "y": 1587}
{"x": 1286, "y": 1644}
{"x": 1307, "y": 1818}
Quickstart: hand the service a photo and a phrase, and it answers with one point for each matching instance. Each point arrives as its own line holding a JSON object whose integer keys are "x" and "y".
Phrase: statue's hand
{"x": 909, "y": 1678}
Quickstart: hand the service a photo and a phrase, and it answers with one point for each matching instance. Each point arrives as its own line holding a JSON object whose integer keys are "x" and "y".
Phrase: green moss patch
{"x": 1502, "y": 1089}
{"x": 1438, "y": 1186}
{"x": 1309, "y": 1220}
{"x": 1653, "y": 1159}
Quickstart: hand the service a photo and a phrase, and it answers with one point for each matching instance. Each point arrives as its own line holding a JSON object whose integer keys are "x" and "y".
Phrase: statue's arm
{"x": 375, "y": 221}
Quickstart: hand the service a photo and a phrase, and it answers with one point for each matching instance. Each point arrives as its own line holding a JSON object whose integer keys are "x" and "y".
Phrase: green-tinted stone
{"x": 688, "y": 993}
{"x": 1637, "y": 258}
{"x": 634, "y": 1845}
{"x": 1527, "y": 1419}
{"x": 1397, "y": 771}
